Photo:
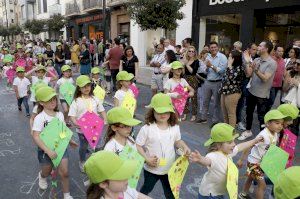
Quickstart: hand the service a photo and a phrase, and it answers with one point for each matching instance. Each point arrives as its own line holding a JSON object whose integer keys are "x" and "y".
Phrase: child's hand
{"x": 52, "y": 154}
{"x": 73, "y": 144}
{"x": 191, "y": 94}
{"x": 186, "y": 151}
{"x": 195, "y": 156}
{"x": 152, "y": 161}
{"x": 239, "y": 163}
{"x": 18, "y": 97}
{"x": 258, "y": 139}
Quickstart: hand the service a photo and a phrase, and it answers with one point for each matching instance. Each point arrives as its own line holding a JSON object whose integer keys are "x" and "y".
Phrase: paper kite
{"x": 130, "y": 153}
{"x": 56, "y": 136}
{"x": 232, "y": 179}
{"x": 179, "y": 104}
{"x": 67, "y": 90}
{"x": 91, "y": 125}
{"x": 135, "y": 90}
{"x": 176, "y": 175}
{"x": 288, "y": 143}
{"x": 129, "y": 103}
{"x": 99, "y": 92}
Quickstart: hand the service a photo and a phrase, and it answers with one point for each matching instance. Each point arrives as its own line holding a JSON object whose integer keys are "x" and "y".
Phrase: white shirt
{"x": 22, "y": 85}
{"x": 61, "y": 81}
{"x": 130, "y": 193}
{"x": 114, "y": 146}
{"x": 259, "y": 149}
{"x": 214, "y": 180}
{"x": 34, "y": 80}
{"x": 159, "y": 143}
{"x": 43, "y": 119}
{"x": 160, "y": 58}
{"x": 171, "y": 84}
{"x": 120, "y": 95}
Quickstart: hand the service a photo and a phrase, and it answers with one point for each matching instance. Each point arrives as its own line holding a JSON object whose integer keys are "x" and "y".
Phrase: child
{"x": 84, "y": 101}
{"x": 40, "y": 72}
{"x": 123, "y": 83}
{"x": 109, "y": 175}
{"x": 176, "y": 78}
{"x": 156, "y": 142}
{"x": 66, "y": 77}
{"x": 118, "y": 133}
{"x": 40, "y": 59}
{"x": 5, "y": 77}
{"x": 96, "y": 77}
{"x": 51, "y": 69}
{"x": 21, "y": 87}
{"x": 29, "y": 61}
{"x": 221, "y": 148}
{"x": 107, "y": 75}
{"x": 292, "y": 113}
{"x": 47, "y": 110}
{"x": 274, "y": 123}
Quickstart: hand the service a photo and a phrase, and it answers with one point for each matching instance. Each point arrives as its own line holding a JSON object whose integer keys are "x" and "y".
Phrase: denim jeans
{"x": 273, "y": 94}
{"x": 25, "y": 102}
{"x": 241, "y": 107}
{"x": 210, "y": 197}
{"x": 83, "y": 147}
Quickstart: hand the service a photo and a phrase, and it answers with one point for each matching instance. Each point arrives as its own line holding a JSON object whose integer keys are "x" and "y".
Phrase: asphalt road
{"x": 19, "y": 164}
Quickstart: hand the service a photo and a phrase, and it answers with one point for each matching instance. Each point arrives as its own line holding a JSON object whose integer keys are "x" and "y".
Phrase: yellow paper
{"x": 129, "y": 103}
{"x": 99, "y": 92}
{"x": 162, "y": 162}
{"x": 176, "y": 174}
{"x": 232, "y": 179}
{"x": 62, "y": 135}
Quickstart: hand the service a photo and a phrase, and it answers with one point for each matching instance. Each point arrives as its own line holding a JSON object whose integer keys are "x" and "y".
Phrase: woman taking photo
{"x": 129, "y": 61}
{"x": 85, "y": 62}
{"x": 291, "y": 61}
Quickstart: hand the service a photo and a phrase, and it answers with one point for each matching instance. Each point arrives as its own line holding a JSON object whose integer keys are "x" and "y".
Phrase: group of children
{"x": 157, "y": 141}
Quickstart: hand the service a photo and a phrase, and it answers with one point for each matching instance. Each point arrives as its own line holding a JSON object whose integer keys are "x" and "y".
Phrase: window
{"x": 11, "y": 11}
{"x": 45, "y": 5}
{"x": 23, "y": 12}
{"x": 12, "y": 20}
{"x": 39, "y": 7}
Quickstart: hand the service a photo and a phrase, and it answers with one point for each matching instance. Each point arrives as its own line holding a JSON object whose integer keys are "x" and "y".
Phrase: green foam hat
{"x": 82, "y": 80}
{"x": 106, "y": 165}
{"x": 65, "y": 68}
{"x": 41, "y": 67}
{"x": 221, "y": 132}
{"x": 20, "y": 69}
{"x": 95, "y": 70}
{"x": 176, "y": 65}
{"x": 131, "y": 76}
{"x": 123, "y": 76}
{"x": 45, "y": 94}
{"x": 162, "y": 103}
{"x": 274, "y": 115}
{"x": 121, "y": 115}
{"x": 289, "y": 110}
{"x": 39, "y": 85}
{"x": 288, "y": 184}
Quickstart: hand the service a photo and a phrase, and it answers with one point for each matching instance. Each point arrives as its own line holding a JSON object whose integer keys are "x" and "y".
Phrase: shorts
{"x": 44, "y": 159}
{"x": 254, "y": 171}
{"x": 157, "y": 82}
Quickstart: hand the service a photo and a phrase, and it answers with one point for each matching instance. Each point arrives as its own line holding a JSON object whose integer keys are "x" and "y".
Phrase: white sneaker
{"x": 42, "y": 182}
{"x": 81, "y": 166}
{"x": 241, "y": 126}
{"x": 68, "y": 197}
{"x": 147, "y": 106}
{"x": 245, "y": 135}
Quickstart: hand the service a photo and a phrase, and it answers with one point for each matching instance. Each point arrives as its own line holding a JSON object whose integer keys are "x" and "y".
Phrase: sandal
{"x": 193, "y": 118}
{"x": 184, "y": 117}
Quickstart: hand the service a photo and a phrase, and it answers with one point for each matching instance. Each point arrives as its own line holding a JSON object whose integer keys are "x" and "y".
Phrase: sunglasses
{"x": 191, "y": 51}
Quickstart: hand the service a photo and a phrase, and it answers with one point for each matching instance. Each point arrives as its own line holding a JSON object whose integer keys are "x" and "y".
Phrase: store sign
{"x": 89, "y": 19}
{"x": 220, "y": 2}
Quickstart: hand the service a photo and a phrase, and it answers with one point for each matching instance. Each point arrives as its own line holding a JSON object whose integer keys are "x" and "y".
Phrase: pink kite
{"x": 179, "y": 104}
{"x": 10, "y": 75}
{"x": 288, "y": 143}
{"x": 135, "y": 90}
{"x": 91, "y": 125}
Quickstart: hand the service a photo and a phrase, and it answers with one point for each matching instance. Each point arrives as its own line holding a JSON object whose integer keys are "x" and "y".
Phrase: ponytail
{"x": 94, "y": 192}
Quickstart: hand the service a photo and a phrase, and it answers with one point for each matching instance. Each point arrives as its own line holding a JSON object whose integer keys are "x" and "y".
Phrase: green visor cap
{"x": 221, "y": 132}
{"x": 39, "y": 85}
{"x": 82, "y": 80}
{"x": 288, "y": 184}
{"x": 289, "y": 110}
{"x": 274, "y": 115}
{"x": 20, "y": 69}
{"x": 106, "y": 165}
{"x": 176, "y": 65}
{"x": 162, "y": 103}
{"x": 123, "y": 76}
{"x": 45, "y": 94}
{"x": 41, "y": 67}
{"x": 95, "y": 70}
{"x": 121, "y": 115}
{"x": 65, "y": 68}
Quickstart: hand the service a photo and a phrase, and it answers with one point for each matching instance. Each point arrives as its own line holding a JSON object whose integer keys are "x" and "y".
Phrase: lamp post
{"x": 104, "y": 19}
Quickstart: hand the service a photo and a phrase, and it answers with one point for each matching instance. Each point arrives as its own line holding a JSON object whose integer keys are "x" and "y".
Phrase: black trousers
{"x": 114, "y": 73}
{"x": 151, "y": 179}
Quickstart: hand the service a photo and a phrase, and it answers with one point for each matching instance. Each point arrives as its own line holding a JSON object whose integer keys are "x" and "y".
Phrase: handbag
{"x": 293, "y": 96}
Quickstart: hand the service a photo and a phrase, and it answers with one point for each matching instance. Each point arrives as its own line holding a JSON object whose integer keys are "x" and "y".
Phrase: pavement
{"x": 19, "y": 165}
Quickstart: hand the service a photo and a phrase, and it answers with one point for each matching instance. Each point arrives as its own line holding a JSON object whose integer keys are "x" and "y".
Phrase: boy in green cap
{"x": 274, "y": 124}
{"x": 109, "y": 175}
{"x": 96, "y": 77}
{"x": 21, "y": 87}
{"x": 123, "y": 84}
{"x": 221, "y": 149}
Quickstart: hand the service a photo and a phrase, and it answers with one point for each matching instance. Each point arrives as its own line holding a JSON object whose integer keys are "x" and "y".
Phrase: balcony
{"x": 54, "y": 9}
{"x": 72, "y": 9}
{"x": 92, "y": 5}
{"x": 114, "y": 3}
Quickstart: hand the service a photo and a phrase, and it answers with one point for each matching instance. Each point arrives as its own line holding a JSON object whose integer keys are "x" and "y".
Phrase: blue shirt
{"x": 220, "y": 62}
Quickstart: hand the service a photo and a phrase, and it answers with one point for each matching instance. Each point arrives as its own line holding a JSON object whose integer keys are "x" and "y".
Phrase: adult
{"x": 59, "y": 58}
{"x": 168, "y": 46}
{"x": 157, "y": 77}
{"x": 201, "y": 75}
{"x": 49, "y": 53}
{"x": 85, "y": 61}
{"x": 216, "y": 63}
{"x": 130, "y": 62}
{"x": 170, "y": 57}
{"x": 67, "y": 51}
{"x": 75, "y": 52}
{"x": 278, "y": 78}
{"x": 262, "y": 71}
{"x": 296, "y": 44}
{"x": 114, "y": 57}
{"x": 291, "y": 61}
{"x": 191, "y": 64}
{"x": 92, "y": 51}
{"x": 238, "y": 46}
{"x": 187, "y": 42}
{"x": 100, "y": 48}
{"x": 231, "y": 87}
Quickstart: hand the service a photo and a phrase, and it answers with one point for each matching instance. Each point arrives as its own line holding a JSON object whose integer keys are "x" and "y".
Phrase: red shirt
{"x": 277, "y": 81}
{"x": 114, "y": 57}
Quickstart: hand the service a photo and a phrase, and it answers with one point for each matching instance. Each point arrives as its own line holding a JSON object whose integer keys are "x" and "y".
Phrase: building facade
{"x": 8, "y": 12}
{"x": 227, "y": 21}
